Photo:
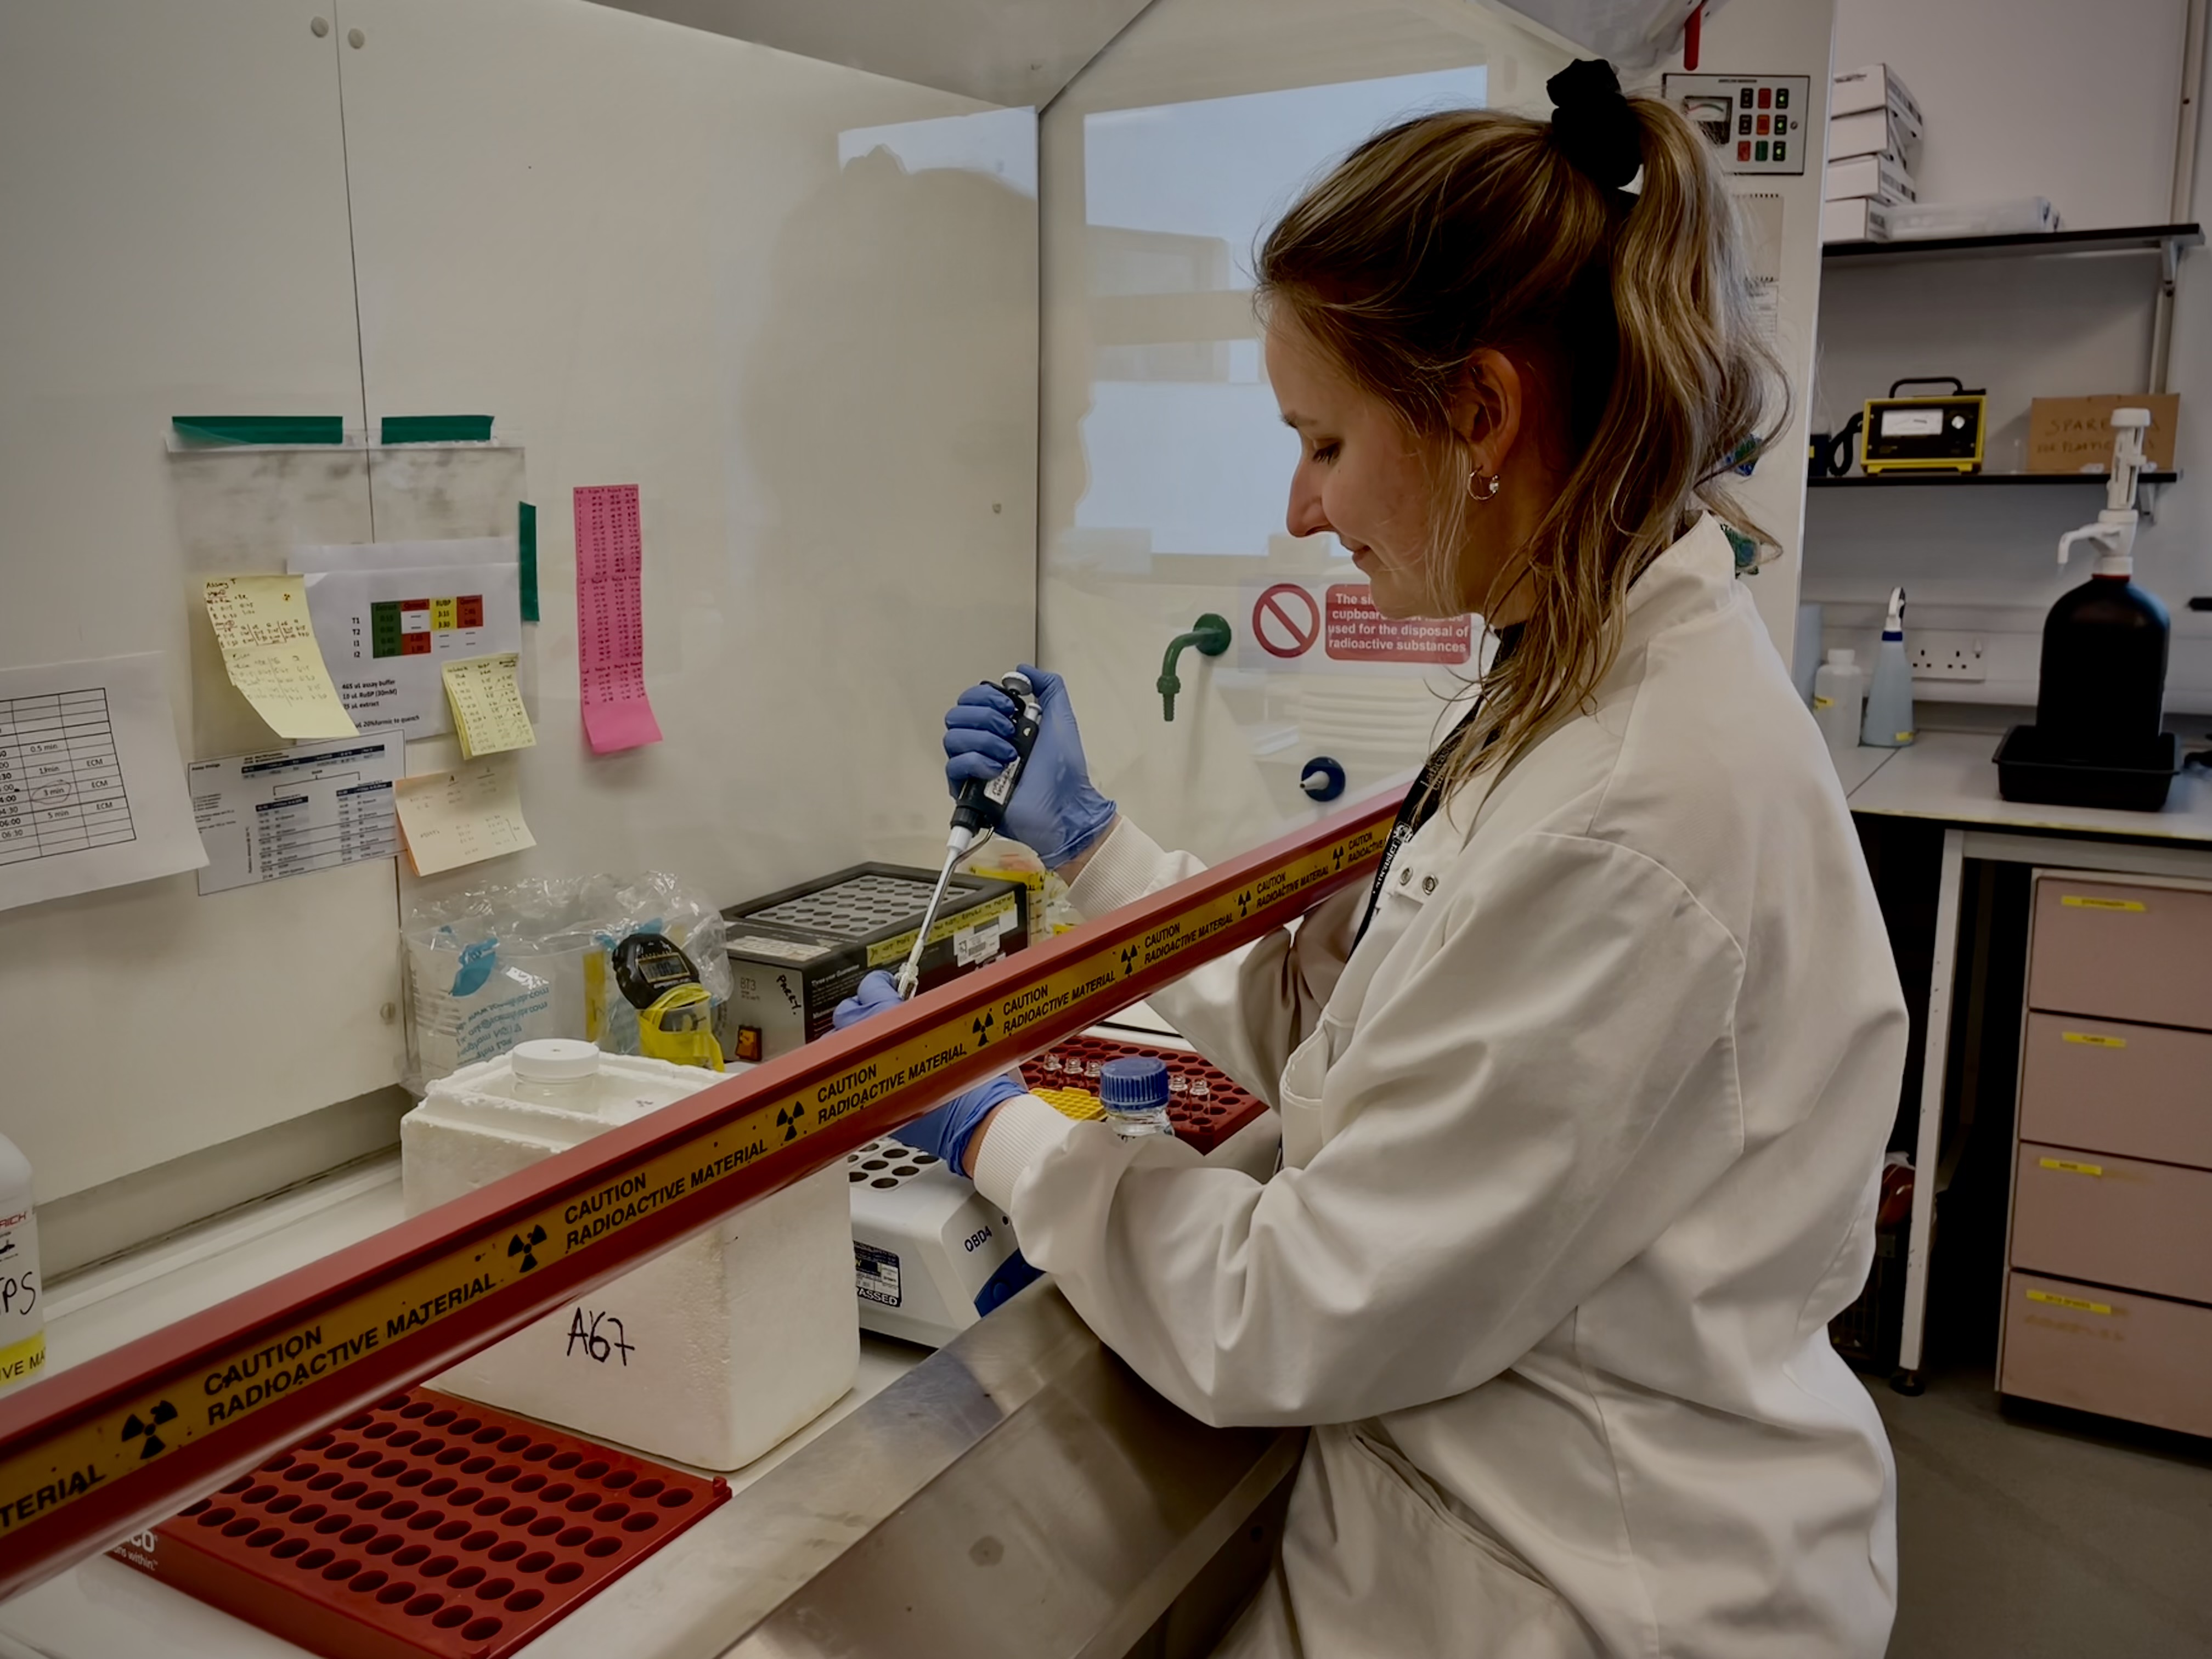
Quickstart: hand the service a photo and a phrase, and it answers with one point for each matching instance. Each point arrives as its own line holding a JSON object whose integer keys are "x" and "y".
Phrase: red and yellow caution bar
{"x": 91, "y": 1453}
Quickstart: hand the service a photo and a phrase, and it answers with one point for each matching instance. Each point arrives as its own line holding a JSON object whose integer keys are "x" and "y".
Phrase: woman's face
{"x": 1360, "y": 474}
{"x": 1389, "y": 495}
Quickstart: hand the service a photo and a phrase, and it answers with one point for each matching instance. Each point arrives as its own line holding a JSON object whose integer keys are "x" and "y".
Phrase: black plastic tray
{"x": 2134, "y": 778}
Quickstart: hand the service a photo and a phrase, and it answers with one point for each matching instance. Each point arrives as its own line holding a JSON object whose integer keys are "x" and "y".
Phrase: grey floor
{"x": 2041, "y": 1535}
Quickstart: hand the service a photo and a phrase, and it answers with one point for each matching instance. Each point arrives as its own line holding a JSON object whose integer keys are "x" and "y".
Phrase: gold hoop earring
{"x": 1482, "y": 492}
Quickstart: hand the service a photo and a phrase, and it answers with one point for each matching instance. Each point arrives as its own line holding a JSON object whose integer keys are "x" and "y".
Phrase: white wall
{"x": 642, "y": 250}
{"x": 2032, "y": 97}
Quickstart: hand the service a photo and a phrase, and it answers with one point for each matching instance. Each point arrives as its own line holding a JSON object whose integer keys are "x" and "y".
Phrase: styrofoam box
{"x": 710, "y": 1354}
{"x": 1884, "y": 178}
{"x": 1860, "y": 219}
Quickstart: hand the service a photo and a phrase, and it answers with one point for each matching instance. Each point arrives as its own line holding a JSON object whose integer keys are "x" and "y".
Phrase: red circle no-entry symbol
{"x": 1286, "y": 620}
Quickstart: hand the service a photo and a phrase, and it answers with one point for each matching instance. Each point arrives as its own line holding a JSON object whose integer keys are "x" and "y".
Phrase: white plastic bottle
{"x": 1889, "y": 699}
{"x": 1838, "y": 686}
{"x": 22, "y": 1320}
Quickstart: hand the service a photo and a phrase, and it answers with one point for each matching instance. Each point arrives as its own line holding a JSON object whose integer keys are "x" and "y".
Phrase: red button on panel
{"x": 1743, "y": 149}
{"x": 1766, "y": 98}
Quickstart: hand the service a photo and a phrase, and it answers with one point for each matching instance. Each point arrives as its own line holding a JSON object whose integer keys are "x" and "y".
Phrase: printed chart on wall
{"x": 390, "y": 615}
{"x": 291, "y": 812}
{"x": 611, "y": 619}
{"x": 92, "y": 787}
{"x": 1314, "y": 624}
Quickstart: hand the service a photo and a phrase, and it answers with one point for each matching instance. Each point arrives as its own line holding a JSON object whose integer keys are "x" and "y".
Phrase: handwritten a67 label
{"x": 600, "y": 1341}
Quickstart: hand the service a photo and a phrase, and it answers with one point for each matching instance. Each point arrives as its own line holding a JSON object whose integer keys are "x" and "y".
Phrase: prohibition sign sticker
{"x": 1286, "y": 620}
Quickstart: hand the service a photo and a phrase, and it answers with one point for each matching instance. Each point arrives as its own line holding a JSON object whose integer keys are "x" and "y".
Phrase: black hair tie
{"x": 1592, "y": 124}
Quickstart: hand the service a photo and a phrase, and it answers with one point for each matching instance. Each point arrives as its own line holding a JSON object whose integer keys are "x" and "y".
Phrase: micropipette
{"x": 978, "y": 807}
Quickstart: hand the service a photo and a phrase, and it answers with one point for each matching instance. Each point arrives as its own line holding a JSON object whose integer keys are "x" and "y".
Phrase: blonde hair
{"x": 1472, "y": 230}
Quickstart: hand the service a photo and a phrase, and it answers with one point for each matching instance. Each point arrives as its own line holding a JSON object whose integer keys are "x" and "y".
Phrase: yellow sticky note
{"x": 462, "y": 816}
{"x": 2094, "y": 1039}
{"x": 2084, "y": 902}
{"x": 487, "y": 705}
{"x": 270, "y": 653}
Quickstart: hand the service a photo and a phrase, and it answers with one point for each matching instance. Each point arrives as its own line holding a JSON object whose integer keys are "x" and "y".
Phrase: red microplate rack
{"x": 1207, "y": 1109}
{"x": 426, "y": 1525}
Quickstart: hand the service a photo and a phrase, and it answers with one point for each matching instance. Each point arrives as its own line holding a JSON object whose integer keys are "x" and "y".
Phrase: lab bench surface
{"x": 1950, "y": 778}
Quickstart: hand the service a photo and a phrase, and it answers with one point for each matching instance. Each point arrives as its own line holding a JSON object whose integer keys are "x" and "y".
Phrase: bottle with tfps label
{"x": 22, "y": 1321}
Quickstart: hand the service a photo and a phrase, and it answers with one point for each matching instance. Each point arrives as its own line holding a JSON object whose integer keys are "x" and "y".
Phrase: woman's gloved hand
{"x": 946, "y": 1131}
{"x": 1054, "y": 811}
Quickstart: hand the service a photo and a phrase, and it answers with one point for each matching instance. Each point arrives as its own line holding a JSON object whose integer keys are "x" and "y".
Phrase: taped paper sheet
{"x": 92, "y": 787}
{"x": 611, "y": 619}
{"x": 388, "y": 632}
{"x": 487, "y": 713}
{"x": 291, "y": 812}
{"x": 269, "y": 650}
{"x": 463, "y": 817}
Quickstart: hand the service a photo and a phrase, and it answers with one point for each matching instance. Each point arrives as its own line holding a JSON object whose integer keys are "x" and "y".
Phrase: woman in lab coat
{"x": 1584, "y": 1104}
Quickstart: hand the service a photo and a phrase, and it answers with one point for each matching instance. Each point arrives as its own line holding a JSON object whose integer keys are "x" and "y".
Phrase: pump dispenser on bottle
{"x": 1889, "y": 699}
{"x": 2097, "y": 740}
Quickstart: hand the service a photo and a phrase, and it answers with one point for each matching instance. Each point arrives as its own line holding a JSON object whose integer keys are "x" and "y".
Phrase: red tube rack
{"x": 1205, "y": 1104}
{"x": 424, "y": 1527}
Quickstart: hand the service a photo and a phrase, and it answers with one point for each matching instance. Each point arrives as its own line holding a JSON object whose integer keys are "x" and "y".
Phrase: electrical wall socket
{"x": 1939, "y": 656}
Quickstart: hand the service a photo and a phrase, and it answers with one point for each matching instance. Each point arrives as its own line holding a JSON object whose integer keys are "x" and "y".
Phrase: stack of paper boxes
{"x": 1875, "y": 130}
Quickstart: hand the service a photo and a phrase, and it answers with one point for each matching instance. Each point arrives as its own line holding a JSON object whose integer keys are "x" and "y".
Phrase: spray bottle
{"x": 1889, "y": 698}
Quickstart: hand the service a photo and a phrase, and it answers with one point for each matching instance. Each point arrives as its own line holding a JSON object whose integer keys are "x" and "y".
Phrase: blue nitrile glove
{"x": 946, "y": 1131}
{"x": 1055, "y": 811}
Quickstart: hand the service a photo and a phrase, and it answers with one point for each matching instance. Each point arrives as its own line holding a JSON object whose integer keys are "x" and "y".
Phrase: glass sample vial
{"x": 1134, "y": 1092}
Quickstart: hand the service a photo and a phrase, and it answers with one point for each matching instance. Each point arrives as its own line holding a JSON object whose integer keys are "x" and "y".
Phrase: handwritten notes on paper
{"x": 611, "y": 619}
{"x": 486, "y": 703}
{"x": 269, "y": 651}
{"x": 471, "y": 813}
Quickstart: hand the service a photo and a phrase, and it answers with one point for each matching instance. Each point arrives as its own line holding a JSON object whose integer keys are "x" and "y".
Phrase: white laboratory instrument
{"x": 930, "y": 1255}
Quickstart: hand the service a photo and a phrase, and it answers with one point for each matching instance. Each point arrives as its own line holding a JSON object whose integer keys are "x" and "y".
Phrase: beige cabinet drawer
{"x": 2141, "y": 1091}
{"x": 2113, "y": 1220}
{"x": 2115, "y": 1351}
{"x": 2122, "y": 952}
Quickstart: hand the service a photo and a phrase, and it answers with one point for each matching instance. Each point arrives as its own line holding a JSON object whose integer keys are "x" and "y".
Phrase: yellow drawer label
{"x": 2070, "y": 1167}
{"x": 2092, "y": 1040}
{"x": 2084, "y": 901}
{"x": 2073, "y": 1302}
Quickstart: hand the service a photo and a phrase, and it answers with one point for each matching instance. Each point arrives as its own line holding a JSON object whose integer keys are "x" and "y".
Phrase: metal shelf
{"x": 1939, "y": 480}
{"x": 2140, "y": 239}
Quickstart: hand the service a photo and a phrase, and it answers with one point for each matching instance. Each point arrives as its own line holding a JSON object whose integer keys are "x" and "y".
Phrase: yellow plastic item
{"x": 1078, "y": 1104}
{"x": 678, "y": 1028}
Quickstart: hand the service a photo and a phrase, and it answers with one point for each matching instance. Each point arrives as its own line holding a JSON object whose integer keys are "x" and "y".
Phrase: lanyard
{"x": 1423, "y": 799}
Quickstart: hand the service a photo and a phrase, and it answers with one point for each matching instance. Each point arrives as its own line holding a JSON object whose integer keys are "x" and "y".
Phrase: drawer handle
{"x": 2070, "y": 1167}
{"x": 2084, "y": 901}
{"x": 2073, "y": 1302}
{"x": 2093, "y": 1040}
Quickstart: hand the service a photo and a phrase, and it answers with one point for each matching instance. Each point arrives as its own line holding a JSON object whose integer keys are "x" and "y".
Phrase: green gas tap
{"x": 1211, "y": 635}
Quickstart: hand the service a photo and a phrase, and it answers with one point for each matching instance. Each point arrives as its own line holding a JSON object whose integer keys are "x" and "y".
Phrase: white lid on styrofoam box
{"x": 555, "y": 1060}
{"x": 618, "y": 1089}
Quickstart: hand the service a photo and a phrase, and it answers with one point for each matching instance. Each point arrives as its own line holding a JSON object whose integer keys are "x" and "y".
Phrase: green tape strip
{"x": 437, "y": 428}
{"x": 525, "y": 539}
{"x": 261, "y": 428}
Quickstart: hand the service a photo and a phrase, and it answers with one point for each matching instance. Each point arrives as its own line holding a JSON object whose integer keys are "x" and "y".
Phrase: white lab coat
{"x": 1581, "y": 1149}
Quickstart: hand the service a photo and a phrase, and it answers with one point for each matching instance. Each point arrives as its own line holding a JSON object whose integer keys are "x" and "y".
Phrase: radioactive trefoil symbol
{"x": 1243, "y": 904}
{"x": 1336, "y": 857}
{"x": 1128, "y": 961}
{"x": 134, "y": 1429}
{"x": 789, "y": 1119}
{"x": 981, "y": 1028}
{"x": 526, "y": 1247}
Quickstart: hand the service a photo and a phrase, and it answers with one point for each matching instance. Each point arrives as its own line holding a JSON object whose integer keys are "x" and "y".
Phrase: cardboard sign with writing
{"x": 2074, "y": 435}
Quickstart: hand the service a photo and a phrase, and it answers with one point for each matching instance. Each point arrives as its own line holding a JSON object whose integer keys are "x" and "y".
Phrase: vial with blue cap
{"x": 1133, "y": 1091}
